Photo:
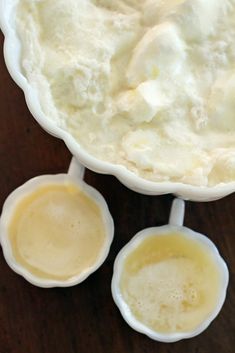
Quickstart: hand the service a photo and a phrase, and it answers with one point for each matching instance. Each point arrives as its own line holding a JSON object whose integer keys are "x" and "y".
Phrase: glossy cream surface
{"x": 57, "y": 232}
{"x": 170, "y": 283}
{"x": 146, "y": 84}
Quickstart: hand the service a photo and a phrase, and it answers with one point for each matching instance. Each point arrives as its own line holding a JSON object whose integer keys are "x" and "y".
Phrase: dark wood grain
{"x": 84, "y": 319}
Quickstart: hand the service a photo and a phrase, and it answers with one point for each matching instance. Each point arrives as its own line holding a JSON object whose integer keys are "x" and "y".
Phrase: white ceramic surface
{"x": 175, "y": 225}
{"x": 75, "y": 175}
{"x": 12, "y": 48}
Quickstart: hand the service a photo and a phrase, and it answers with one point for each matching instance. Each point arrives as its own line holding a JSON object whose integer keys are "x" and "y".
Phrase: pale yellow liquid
{"x": 171, "y": 283}
{"x": 57, "y": 232}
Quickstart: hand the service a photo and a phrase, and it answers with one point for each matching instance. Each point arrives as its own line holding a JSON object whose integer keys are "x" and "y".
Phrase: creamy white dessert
{"x": 146, "y": 84}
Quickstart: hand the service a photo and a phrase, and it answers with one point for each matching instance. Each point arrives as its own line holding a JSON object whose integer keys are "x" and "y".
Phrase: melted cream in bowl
{"x": 170, "y": 283}
{"x": 57, "y": 232}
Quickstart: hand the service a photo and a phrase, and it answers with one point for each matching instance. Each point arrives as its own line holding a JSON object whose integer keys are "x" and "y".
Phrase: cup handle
{"x": 76, "y": 169}
{"x": 177, "y": 213}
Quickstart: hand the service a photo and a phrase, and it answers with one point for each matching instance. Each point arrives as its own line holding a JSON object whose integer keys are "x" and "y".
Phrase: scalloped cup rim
{"x": 25, "y": 189}
{"x": 128, "y": 178}
{"x": 123, "y": 306}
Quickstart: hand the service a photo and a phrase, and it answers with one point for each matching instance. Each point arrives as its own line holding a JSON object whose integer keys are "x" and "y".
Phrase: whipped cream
{"x": 149, "y": 84}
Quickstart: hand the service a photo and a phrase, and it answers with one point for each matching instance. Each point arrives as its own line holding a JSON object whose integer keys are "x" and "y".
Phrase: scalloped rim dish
{"x": 123, "y": 306}
{"x": 132, "y": 181}
{"x": 26, "y": 189}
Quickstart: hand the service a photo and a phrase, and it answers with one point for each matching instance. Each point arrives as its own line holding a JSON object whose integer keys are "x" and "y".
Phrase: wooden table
{"x": 84, "y": 319}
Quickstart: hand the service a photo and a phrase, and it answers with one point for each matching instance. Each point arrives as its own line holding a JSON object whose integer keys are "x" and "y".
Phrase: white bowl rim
{"x": 123, "y": 306}
{"x": 25, "y": 189}
{"x": 128, "y": 178}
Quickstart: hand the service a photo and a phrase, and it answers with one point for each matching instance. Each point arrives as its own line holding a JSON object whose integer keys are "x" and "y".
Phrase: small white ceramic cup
{"x": 175, "y": 225}
{"x": 75, "y": 175}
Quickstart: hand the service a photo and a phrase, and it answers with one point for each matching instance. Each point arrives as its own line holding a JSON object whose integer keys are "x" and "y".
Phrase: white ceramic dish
{"x": 12, "y": 49}
{"x": 175, "y": 224}
{"x": 75, "y": 175}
